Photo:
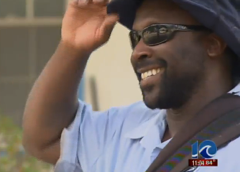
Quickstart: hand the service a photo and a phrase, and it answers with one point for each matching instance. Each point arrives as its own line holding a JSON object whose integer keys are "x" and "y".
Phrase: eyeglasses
{"x": 160, "y": 33}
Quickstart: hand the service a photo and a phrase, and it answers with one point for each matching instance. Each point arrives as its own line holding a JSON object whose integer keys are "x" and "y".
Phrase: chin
{"x": 156, "y": 100}
{"x": 151, "y": 96}
{"x": 150, "y": 105}
{"x": 158, "y": 103}
{"x": 151, "y": 101}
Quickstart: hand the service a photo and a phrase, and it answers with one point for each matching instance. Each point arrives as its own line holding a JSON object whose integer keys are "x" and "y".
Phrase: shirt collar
{"x": 159, "y": 122}
{"x": 141, "y": 130}
{"x": 235, "y": 90}
{"x": 153, "y": 130}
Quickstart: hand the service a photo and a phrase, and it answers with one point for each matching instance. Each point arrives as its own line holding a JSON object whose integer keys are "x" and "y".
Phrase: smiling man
{"x": 181, "y": 64}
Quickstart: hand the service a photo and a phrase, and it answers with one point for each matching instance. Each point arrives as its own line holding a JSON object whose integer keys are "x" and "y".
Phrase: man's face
{"x": 179, "y": 62}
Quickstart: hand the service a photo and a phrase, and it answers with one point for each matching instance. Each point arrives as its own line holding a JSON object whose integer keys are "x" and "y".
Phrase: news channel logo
{"x": 207, "y": 149}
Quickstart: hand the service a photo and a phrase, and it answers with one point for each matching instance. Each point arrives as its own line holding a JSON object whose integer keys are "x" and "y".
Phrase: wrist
{"x": 70, "y": 50}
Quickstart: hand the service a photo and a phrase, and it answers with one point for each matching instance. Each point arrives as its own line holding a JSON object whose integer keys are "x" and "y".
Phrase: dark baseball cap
{"x": 221, "y": 16}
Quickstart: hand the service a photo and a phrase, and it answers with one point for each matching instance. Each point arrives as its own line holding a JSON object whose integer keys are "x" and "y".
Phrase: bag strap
{"x": 207, "y": 124}
{"x": 221, "y": 139}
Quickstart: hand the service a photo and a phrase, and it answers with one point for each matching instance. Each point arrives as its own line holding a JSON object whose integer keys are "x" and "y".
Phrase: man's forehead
{"x": 161, "y": 11}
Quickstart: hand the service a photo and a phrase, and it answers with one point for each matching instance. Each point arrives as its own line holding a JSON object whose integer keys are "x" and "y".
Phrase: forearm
{"x": 52, "y": 103}
{"x": 49, "y": 154}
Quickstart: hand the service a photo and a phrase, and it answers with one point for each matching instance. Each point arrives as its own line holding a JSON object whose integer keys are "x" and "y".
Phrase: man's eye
{"x": 149, "y": 34}
{"x": 163, "y": 30}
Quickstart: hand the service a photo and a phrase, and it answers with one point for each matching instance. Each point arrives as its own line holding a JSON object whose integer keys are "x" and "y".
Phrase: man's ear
{"x": 215, "y": 45}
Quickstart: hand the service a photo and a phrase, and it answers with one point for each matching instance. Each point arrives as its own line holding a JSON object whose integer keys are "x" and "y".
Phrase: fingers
{"x": 94, "y": 1}
{"x": 84, "y": 2}
{"x": 100, "y": 1}
{"x": 109, "y": 24}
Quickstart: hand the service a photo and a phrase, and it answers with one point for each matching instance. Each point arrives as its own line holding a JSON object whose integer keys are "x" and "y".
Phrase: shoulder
{"x": 231, "y": 151}
{"x": 228, "y": 156}
{"x": 114, "y": 121}
{"x": 133, "y": 114}
{"x": 136, "y": 110}
{"x": 115, "y": 118}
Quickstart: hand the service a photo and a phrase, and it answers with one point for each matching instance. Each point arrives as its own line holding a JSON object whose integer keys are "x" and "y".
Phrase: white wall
{"x": 116, "y": 81}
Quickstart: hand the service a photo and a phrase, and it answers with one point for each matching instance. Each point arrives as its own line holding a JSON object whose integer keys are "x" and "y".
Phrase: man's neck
{"x": 177, "y": 118}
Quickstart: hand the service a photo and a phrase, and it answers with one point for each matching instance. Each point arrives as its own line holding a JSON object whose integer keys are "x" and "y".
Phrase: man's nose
{"x": 141, "y": 51}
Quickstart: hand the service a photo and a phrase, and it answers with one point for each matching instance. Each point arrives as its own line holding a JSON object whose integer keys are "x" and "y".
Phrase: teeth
{"x": 150, "y": 73}
{"x": 145, "y": 75}
{"x": 154, "y": 71}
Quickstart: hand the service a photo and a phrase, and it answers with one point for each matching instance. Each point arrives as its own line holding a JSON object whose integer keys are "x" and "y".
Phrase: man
{"x": 181, "y": 67}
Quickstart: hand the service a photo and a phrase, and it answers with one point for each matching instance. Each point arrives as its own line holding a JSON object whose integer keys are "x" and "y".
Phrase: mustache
{"x": 155, "y": 62}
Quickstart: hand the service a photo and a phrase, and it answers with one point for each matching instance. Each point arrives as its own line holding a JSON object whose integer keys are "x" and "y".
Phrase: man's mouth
{"x": 150, "y": 73}
{"x": 150, "y": 77}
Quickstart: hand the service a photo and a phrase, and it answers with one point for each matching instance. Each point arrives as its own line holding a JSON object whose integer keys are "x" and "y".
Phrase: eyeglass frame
{"x": 172, "y": 28}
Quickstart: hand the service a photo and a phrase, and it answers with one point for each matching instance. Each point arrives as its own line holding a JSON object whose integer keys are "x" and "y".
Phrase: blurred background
{"x": 29, "y": 34}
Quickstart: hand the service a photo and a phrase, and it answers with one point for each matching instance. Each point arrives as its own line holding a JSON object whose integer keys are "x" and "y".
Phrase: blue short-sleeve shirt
{"x": 125, "y": 139}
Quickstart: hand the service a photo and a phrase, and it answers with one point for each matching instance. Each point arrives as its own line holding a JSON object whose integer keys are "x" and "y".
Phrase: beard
{"x": 172, "y": 91}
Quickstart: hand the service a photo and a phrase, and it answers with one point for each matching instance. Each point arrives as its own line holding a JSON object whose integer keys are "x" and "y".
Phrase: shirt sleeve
{"x": 87, "y": 135}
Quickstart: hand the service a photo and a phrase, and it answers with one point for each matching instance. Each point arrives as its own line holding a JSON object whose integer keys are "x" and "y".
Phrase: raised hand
{"x": 86, "y": 24}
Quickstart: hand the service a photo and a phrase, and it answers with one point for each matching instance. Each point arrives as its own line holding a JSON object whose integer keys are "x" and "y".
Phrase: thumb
{"x": 108, "y": 24}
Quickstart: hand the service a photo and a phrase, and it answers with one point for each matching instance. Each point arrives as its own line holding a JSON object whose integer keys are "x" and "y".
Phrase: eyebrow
{"x": 145, "y": 24}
